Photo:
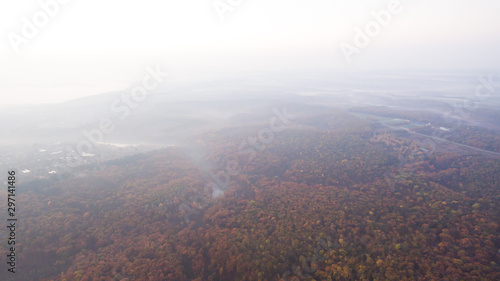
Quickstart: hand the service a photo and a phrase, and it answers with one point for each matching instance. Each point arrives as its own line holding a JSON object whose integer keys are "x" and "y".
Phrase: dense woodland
{"x": 331, "y": 197}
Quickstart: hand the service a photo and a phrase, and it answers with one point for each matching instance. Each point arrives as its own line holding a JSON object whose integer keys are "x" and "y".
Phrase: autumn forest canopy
{"x": 246, "y": 140}
{"x": 368, "y": 193}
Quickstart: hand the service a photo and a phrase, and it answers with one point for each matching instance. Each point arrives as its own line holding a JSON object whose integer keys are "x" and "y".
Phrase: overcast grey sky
{"x": 88, "y": 47}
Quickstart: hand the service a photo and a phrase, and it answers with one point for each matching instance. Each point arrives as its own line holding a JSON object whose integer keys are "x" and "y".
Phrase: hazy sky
{"x": 88, "y": 47}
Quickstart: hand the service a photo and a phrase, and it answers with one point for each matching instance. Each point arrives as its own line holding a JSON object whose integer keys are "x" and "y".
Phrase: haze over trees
{"x": 332, "y": 197}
